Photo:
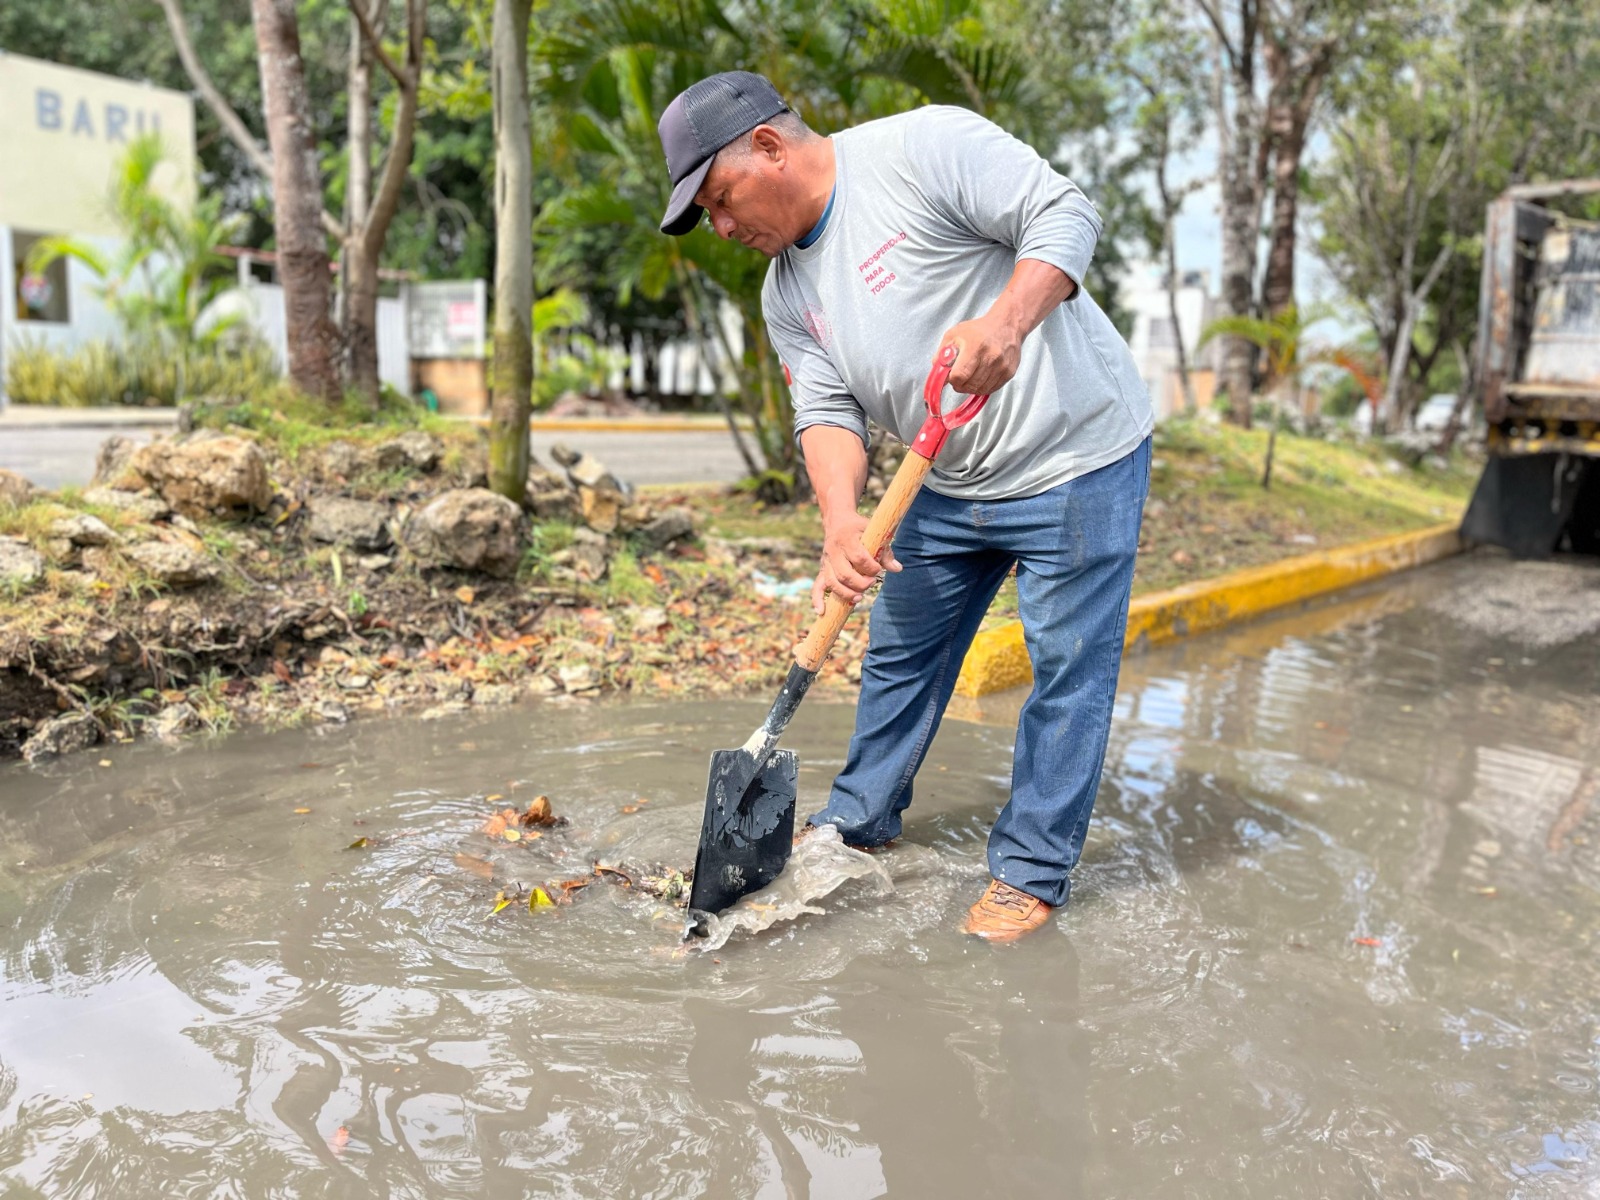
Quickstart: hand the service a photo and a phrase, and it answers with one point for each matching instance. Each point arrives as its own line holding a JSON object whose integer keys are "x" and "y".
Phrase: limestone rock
{"x": 112, "y": 461}
{"x": 472, "y": 528}
{"x": 666, "y": 528}
{"x": 345, "y": 459}
{"x": 14, "y": 489}
{"x": 145, "y": 508}
{"x": 174, "y": 563}
{"x": 413, "y": 448}
{"x": 494, "y": 694}
{"x": 363, "y": 524}
{"x": 81, "y": 529}
{"x": 65, "y": 734}
{"x": 585, "y": 470}
{"x": 579, "y": 677}
{"x": 20, "y": 563}
{"x": 601, "y": 508}
{"x": 173, "y": 721}
{"x": 222, "y": 476}
{"x": 555, "y": 504}
{"x": 590, "y": 555}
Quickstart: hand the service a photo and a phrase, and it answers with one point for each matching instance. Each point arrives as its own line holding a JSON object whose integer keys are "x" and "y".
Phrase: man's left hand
{"x": 988, "y": 350}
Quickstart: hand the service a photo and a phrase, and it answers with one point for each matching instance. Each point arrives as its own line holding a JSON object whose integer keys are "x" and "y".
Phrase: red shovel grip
{"x": 896, "y": 500}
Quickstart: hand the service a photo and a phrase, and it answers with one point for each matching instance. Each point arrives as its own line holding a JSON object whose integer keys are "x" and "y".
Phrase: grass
{"x": 1208, "y": 513}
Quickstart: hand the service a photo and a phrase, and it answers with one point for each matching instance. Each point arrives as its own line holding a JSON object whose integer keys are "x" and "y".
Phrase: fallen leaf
{"x": 1368, "y": 942}
{"x": 481, "y": 867}
{"x": 537, "y": 813}
{"x": 498, "y": 823}
{"x": 568, "y": 886}
{"x": 465, "y": 594}
{"x": 630, "y": 808}
{"x": 512, "y": 835}
{"x": 359, "y": 844}
{"x": 539, "y": 898}
{"x": 496, "y": 797}
{"x": 339, "y": 1140}
{"x": 655, "y": 574}
{"x": 1487, "y": 891}
{"x": 105, "y": 762}
{"x": 501, "y": 900}
{"x": 300, "y": 812}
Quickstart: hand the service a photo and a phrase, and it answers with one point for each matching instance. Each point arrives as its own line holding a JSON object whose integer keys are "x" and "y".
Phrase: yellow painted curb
{"x": 998, "y": 658}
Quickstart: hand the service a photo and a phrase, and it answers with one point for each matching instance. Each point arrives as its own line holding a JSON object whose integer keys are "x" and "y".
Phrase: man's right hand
{"x": 847, "y": 569}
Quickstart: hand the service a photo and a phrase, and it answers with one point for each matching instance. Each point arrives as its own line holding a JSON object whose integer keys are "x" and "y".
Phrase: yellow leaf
{"x": 465, "y": 594}
{"x": 501, "y": 900}
{"x": 539, "y": 898}
{"x": 359, "y": 844}
{"x": 300, "y": 812}
{"x": 512, "y": 835}
{"x": 492, "y": 799}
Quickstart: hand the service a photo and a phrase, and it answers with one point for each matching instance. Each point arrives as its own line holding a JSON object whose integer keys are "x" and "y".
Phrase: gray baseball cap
{"x": 701, "y": 120}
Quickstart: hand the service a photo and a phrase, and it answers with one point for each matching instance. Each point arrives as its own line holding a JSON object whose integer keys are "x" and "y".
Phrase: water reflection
{"x": 1334, "y": 933}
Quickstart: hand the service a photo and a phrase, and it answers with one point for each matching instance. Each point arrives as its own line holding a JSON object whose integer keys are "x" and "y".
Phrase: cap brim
{"x": 683, "y": 214}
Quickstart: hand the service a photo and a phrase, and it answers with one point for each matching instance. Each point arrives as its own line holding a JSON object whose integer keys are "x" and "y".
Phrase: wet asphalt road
{"x": 54, "y": 458}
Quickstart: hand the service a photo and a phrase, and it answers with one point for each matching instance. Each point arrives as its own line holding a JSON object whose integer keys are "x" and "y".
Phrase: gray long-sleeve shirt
{"x": 932, "y": 211}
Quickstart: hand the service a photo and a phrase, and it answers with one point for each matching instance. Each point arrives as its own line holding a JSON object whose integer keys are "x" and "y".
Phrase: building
{"x": 1153, "y": 339}
{"x": 61, "y": 133}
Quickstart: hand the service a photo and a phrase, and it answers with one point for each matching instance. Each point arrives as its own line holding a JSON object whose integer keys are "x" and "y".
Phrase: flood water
{"x": 1335, "y": 934}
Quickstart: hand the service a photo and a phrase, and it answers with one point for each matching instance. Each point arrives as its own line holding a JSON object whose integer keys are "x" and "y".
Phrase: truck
{"x": 1538, "y": 374}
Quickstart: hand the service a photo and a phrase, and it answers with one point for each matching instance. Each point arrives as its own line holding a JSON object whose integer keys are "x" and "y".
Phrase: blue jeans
{"x": 1073, "y": 548}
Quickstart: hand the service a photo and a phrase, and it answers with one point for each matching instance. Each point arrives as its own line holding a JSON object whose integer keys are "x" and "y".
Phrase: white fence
{"x": 266, "y": 317}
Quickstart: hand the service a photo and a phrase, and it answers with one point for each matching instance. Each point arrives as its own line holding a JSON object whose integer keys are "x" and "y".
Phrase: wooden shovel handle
{"x": 885, "y": 520}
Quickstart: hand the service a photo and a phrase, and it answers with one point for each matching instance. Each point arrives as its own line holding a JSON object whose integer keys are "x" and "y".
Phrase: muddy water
{"x": 1334, "y": 935}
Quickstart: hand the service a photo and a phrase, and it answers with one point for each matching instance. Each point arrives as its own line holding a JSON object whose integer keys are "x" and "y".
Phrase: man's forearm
{"x": 1035, "y": 290}
{"x": 837, "y": 464}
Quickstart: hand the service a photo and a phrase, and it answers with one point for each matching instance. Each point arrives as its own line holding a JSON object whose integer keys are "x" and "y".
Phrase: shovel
{"x": 748, "y": 829}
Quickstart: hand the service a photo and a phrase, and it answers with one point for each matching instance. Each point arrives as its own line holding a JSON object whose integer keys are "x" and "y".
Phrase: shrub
{"x": 137, "y": 373}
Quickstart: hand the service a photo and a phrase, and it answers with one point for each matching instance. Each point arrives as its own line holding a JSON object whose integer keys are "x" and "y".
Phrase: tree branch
{"x": 370, "y": 36}
{"x": 226, "y": 117}
{"x": 386, "y": 197}
{"x": 238, "y": 133}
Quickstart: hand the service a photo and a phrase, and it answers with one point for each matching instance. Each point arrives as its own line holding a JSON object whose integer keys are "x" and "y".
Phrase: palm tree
{"x": 605, "y": 73}
{"x": 167, "y": 269}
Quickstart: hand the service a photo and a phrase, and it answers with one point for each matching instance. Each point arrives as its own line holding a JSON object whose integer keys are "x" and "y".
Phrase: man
{"x": 890, "y": 242}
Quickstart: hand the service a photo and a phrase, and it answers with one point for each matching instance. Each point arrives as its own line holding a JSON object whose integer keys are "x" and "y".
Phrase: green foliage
{"x": 167, "y": 268}
{"x": 566, "y": 357}
{"x": 137, "y": 373}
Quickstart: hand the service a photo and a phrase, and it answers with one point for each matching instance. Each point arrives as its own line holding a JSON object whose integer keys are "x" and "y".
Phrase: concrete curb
{"x": 42, "y": 416}
{"x": 998, "y": 658}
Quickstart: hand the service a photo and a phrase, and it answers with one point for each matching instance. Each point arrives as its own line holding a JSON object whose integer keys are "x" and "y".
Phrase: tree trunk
{"x": 1288, "y": 137}
{"x": 313, "y": 340}
{"x": 1241, "y": 197}
{"x": 358, "y": 163}
{"x": 513, "y": 258}
{"x": 1169, "y": 214}
{"x": 370, "y": 228}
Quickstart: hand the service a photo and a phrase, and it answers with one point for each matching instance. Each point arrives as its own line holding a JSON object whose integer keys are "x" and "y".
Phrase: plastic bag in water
{"x": 817, "y": 867}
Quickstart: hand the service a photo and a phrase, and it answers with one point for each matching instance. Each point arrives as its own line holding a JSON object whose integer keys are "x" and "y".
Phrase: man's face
{"x": 744, "y": 196}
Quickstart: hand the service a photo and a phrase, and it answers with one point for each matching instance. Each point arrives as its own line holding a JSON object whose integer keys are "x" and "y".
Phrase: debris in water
{"x": 359, "y": 844}
{"x": 339, "y": 1140}
{"x": 481, "y": 867}
{"x": 300, "y": 812}
{"x": 539, "y": 898}
{"x": 1368, "y": 942}
{"x": 501, "y": 901}
{"x": 819, "y": 865}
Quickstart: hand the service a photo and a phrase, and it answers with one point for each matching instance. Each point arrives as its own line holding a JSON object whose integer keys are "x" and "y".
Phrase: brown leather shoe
{"x": 1004, "y": 914}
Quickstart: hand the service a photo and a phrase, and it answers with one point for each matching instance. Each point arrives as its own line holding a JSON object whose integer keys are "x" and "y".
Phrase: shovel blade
{"x": 748, "y": 828}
